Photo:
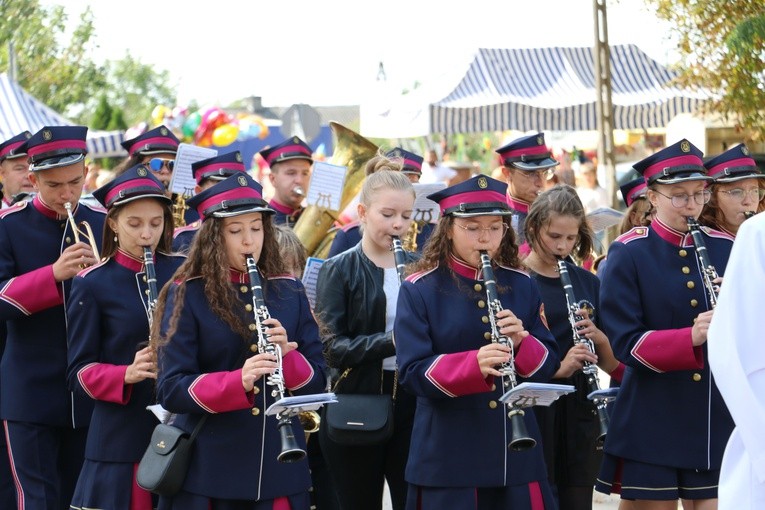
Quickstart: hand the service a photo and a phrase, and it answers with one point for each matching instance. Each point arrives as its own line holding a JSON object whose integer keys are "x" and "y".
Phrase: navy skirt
{"x": 638, "y": 480}
{"x": 531, "y": 496}
{"x": 110, "y": 485}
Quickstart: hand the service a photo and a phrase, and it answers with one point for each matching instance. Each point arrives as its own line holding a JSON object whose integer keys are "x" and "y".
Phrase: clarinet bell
{"x": 602, "y": 412}
{"x": 290, "y": 452}
{"x": 521, "y": 440}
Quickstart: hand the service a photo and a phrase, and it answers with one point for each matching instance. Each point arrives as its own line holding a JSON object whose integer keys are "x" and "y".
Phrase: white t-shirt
{"x": 390, "y": 286}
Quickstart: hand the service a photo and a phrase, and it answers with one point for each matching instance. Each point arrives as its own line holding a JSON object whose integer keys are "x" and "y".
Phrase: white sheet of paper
{"x": 529, "y": 394}
{"x": 326, "y": 187}
{"x": 162, "y": 414}
{"x": 301, "y": 403}
{"x": 604, "y": 217}
{"x": 310, "y": 275}
{"x": 426, "y": 210}
{"x": 182, "y": 181}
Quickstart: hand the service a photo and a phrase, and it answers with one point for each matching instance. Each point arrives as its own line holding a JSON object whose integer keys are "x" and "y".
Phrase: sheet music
{"x": 326, "y": 187}
{"x": 310, "y": 275}
{"x": 604, "y": 217}
{"x": 529, "y": 394}
{"x": 162, "y": 414}
{"x": 182, "y": 181}
{"x": 301, "y": 403}
{"x": 426, "y": 210}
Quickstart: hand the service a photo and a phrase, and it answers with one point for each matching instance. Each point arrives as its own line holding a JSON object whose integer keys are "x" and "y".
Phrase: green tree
{"x": 722, "y": 49}
{"x": 59, "y": 73}
{"x": 102, "y": 114}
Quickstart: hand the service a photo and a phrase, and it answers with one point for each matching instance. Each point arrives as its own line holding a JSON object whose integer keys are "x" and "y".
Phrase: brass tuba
{"x": 352, "y": 151}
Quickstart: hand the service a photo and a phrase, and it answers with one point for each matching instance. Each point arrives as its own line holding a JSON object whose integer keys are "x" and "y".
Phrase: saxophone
{"x": 520, "y": 440}
{"x": 290, "y": 451}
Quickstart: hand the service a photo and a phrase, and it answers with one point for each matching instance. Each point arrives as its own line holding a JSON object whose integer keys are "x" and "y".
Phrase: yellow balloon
{"x": 159, "y": 113}
{"x": 225, "y": 135}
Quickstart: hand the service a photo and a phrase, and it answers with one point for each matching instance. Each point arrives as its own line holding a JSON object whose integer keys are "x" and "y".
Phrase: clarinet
{"x": 520, "y": 440}
{"x": 290, "y": 451}
{"x": 151, "y": 281}
{"x": 590, "y": 369}
{"x": 400, "y": 257}
{"x": 708, "y": 271}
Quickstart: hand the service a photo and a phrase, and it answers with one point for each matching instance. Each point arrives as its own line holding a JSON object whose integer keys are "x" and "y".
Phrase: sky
{"x": 327, "y": 52}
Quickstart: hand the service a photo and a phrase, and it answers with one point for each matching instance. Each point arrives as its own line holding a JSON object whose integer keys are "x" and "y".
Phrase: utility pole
{"x": 12, "y": 68}
{"x": 605, "y": 110}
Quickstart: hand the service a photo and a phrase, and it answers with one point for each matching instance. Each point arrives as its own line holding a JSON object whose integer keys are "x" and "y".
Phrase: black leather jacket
{"x": 350, "y": 304}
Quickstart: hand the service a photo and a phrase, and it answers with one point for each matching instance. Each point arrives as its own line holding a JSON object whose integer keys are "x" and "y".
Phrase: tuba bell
{"x": 352, "y": 151}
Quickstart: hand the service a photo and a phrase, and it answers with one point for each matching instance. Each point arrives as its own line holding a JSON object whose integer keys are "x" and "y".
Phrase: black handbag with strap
{"x": 163, "y": 467}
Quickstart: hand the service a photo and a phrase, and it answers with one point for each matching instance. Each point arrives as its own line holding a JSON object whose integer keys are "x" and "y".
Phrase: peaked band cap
{"x": 55, "y": 146}
{"x": 411, "y": 163}
{"x": 9, "y": 148}
{"x": 159, "y": 140}
{"x": 134, "y": 183}
{"x": 733, "y": 165}
{"x": 679, "y": 162}
{"x": 527, "y": 153}
{"x": 632, "y": 190}
{"x": 238, "y": 194}
{"x": 478, "y": 196}
{"x": 218, "y": 167}
{"x": 292, "y": 148}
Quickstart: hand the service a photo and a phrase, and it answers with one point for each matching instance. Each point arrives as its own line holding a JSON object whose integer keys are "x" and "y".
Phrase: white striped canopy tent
{"x": 21, "y": 111}
{"x": 544, "y": 89}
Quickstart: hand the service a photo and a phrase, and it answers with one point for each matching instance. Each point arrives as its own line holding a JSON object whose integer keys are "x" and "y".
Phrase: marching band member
{"x": 669, "y": 424}
{"x": 45, "y": 424}
{"x": 290, "y": 163}
{"x": 109, "y": 357}
{"x": 526, "y": 165}
{"x": 459, "y": 456}
{"x": 737, "y": 190}
{"x": 556, "y": 228}
{"x": 737, "y": 356}
{"x": 209, "y": 364}
{"x": 14, "y": 170}
{"x": 356, "y": 301}
{"x": 207, "y": 172}
{"x": 349, "y": 235}
{"x": 156, "y": 149}
{"x": 638, "y": 214}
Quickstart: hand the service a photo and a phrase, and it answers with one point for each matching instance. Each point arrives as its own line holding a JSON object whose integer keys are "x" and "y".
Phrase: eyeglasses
{"x": 156, "y": 164}
{"x": 678, "y": 201}
{"x": 474, "y": 231}
{"x": 738, "y": 194}
{"x": 534, "y": 174}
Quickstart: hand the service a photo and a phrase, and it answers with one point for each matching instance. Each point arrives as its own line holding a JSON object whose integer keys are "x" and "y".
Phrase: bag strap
{"x": 395, "y": 382}
{"x": 198, "y": 427}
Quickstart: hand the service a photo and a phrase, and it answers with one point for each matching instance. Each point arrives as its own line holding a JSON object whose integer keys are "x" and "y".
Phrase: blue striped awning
{"x": 553, "y": 89}
{"x": 21, "y": 111}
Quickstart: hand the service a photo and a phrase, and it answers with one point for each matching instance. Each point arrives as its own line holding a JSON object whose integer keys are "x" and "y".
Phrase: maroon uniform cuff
{"x": 667, "y": 350}
{"x": 102, "y": 381}
{"x": 458, "y": 374}
{"x": 530, "y": 357}
{"x": 220, "y": 392}
{"x": 297, "y": 371}
{"x": 33, "y": 291}
{"x": 617, "y": 373}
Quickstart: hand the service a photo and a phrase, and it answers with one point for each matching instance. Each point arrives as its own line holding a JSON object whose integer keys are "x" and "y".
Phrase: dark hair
{"x": 561, "y": 200}
{"x": 439, "y": 247}
{"x": 109, "y": 245}
{"x": 208, "y": 259}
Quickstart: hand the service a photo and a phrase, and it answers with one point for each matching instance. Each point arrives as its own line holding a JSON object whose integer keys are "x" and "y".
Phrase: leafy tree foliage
{"x": 722, "y": 46}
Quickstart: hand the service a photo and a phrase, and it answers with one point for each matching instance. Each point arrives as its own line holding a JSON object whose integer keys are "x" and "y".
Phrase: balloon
{"x": 158, "y": 114}
{"x": 263, "y": 130}
{"x": 225, "y": 135}
{"x": 192, "y": 124}
{"x": 486, "y": 143}
{"x": 205, "y": 141}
